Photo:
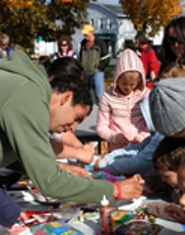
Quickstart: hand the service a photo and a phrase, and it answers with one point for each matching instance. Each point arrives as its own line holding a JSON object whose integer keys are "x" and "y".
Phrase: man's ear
{"x": 66, "y": 97}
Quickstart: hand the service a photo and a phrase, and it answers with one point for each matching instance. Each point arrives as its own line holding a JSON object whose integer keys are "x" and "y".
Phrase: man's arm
{"x": 105, "y": 57}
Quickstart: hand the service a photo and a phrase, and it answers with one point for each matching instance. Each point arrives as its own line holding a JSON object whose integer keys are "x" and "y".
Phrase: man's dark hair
{"x": 81, "y": 93}
{"x": 68, "y": 66}
{"x": 141, "y": 38}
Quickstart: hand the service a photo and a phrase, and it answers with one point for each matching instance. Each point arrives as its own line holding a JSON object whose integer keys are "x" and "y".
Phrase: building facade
{"x": 110, "y": 23}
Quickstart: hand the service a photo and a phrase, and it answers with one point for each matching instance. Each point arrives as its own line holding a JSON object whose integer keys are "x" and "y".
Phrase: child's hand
{"x": 97, "y": 163}
{"x": 152, "y": 75}
{"x": 121, "y": 140}
{"x": 175, "y": 212}
{"x": 136, "y": 140}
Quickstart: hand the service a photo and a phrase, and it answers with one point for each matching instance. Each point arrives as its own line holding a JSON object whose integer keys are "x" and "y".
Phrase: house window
{"x": 102, "y": 22}
{"x": 92, "y": 22}
{"x": 111, "y": 23}
{"x": 108, "y": 23}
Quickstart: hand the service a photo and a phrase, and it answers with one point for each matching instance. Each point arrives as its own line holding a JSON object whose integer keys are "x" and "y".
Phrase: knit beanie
{"x": 167, "y": 106}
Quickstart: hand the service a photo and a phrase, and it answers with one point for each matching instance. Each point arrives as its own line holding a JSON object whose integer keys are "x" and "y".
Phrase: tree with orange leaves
{"x": 150, "y": 16}
{"x": 24, "y": 20}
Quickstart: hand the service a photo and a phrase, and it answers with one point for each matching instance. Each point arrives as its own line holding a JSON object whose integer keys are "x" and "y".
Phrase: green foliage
{"x": 150, "y": 16}
{"x": 24, "y": 20}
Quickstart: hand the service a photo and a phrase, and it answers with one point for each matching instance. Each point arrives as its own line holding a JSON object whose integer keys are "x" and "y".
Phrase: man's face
{"x": 138, "y": 44}
{"x": 64, "y": 116}
{"x": 4, "y": 45}
{"x": 89, "y": 36}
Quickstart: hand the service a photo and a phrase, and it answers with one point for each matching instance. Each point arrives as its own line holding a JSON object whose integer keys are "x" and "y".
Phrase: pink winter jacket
{"x": 118, "y": 114}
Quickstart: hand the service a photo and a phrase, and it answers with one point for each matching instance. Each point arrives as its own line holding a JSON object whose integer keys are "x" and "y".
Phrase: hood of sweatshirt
{"x": 21, "y": 65}
{"x": 145, "y": 109}
{"x": 127, "y": 62}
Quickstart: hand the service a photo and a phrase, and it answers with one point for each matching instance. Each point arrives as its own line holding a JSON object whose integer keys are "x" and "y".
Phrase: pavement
{"x": 113, "y": 61}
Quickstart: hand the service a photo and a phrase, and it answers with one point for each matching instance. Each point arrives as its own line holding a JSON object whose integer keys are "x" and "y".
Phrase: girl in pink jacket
{"x": 120, "y": 121}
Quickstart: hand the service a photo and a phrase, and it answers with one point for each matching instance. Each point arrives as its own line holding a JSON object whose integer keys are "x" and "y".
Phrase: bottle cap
{"x": 104, "y": 201}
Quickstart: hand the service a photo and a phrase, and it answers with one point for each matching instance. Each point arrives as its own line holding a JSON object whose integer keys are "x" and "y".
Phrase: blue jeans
{"x": 133, "y": 159}
{"x": 10, "y": 210}
{"x": 97, "y": 83}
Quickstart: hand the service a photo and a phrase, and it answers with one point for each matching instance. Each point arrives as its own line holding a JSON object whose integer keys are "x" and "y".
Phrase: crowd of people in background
{"x": 141, "y": 116}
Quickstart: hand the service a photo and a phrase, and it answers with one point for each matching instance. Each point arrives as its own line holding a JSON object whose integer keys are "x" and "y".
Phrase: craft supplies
{"x": 55, "y": 228}
{"x": 18, "y": 229}
{"x": 139, "y": 227}
{"x": 103, "y": 175}
{"x": 41, "y": 198}
{"x": 119, "y": 217}
{"x": 131, "y": 205}
{"x": 141, "y": 214}
{"x": 105, "y": 217}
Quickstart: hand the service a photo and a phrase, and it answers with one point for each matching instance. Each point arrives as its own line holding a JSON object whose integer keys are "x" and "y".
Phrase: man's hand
{"x": 75, "y": 170}
{"x": 131, "y": 188}
{"x": 85, "y": 154}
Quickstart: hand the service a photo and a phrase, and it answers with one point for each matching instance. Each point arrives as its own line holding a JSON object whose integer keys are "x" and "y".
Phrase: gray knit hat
{"x": 167, "y": 105}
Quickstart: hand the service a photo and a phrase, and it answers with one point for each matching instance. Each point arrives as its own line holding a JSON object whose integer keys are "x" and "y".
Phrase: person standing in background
{"x": 94, "y": 58}
{"x": 65, "y": 48}
{"x": 148, "y": 57}
{"x": 173, "y": 44}
{"x": 5, "y": 50}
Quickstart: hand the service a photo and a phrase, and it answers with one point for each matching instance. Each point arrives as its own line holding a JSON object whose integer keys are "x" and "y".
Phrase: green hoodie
{"x": 24, "y": 123}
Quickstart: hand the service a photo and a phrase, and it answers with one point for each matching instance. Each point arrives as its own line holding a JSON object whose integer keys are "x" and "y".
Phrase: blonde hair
{"x": 136, "y": 76}
{"x": 174, "y": 70}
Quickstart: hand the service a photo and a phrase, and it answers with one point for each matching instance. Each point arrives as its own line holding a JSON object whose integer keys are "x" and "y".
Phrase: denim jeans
{"x": 9, "y": 209}
{"x": 97, "y": 83}
{"x": 133, "y": 159}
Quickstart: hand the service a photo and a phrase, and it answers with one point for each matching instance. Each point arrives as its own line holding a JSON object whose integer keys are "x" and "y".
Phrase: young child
{"x": 136, "y": 158}
{"x": 120, "y": 121}
{"x": 166, "y": 161}
{"x": 176, "y": 212}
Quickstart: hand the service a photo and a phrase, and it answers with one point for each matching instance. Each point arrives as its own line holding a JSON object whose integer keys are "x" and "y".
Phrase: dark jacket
{"x": 96, "y": 57}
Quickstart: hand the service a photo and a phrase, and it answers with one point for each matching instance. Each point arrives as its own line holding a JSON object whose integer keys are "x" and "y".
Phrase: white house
{"x": 110, "y": 23}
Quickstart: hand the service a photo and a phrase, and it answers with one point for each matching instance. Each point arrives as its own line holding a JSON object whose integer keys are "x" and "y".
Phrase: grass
{"x": 108, "y": 75}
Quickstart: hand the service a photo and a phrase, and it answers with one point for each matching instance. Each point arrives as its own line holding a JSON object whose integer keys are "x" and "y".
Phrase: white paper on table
{"x": 131, "y": 205}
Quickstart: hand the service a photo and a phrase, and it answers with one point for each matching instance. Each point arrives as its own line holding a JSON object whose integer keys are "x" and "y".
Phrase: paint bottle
{"x": 105, "y": 217}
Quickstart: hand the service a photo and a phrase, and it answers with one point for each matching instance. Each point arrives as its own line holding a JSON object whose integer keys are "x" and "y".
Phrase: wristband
{"x": 119, "y": 190}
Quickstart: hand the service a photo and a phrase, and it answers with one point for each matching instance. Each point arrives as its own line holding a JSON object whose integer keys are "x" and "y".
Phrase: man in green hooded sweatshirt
{"x": 30, "y": 106}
